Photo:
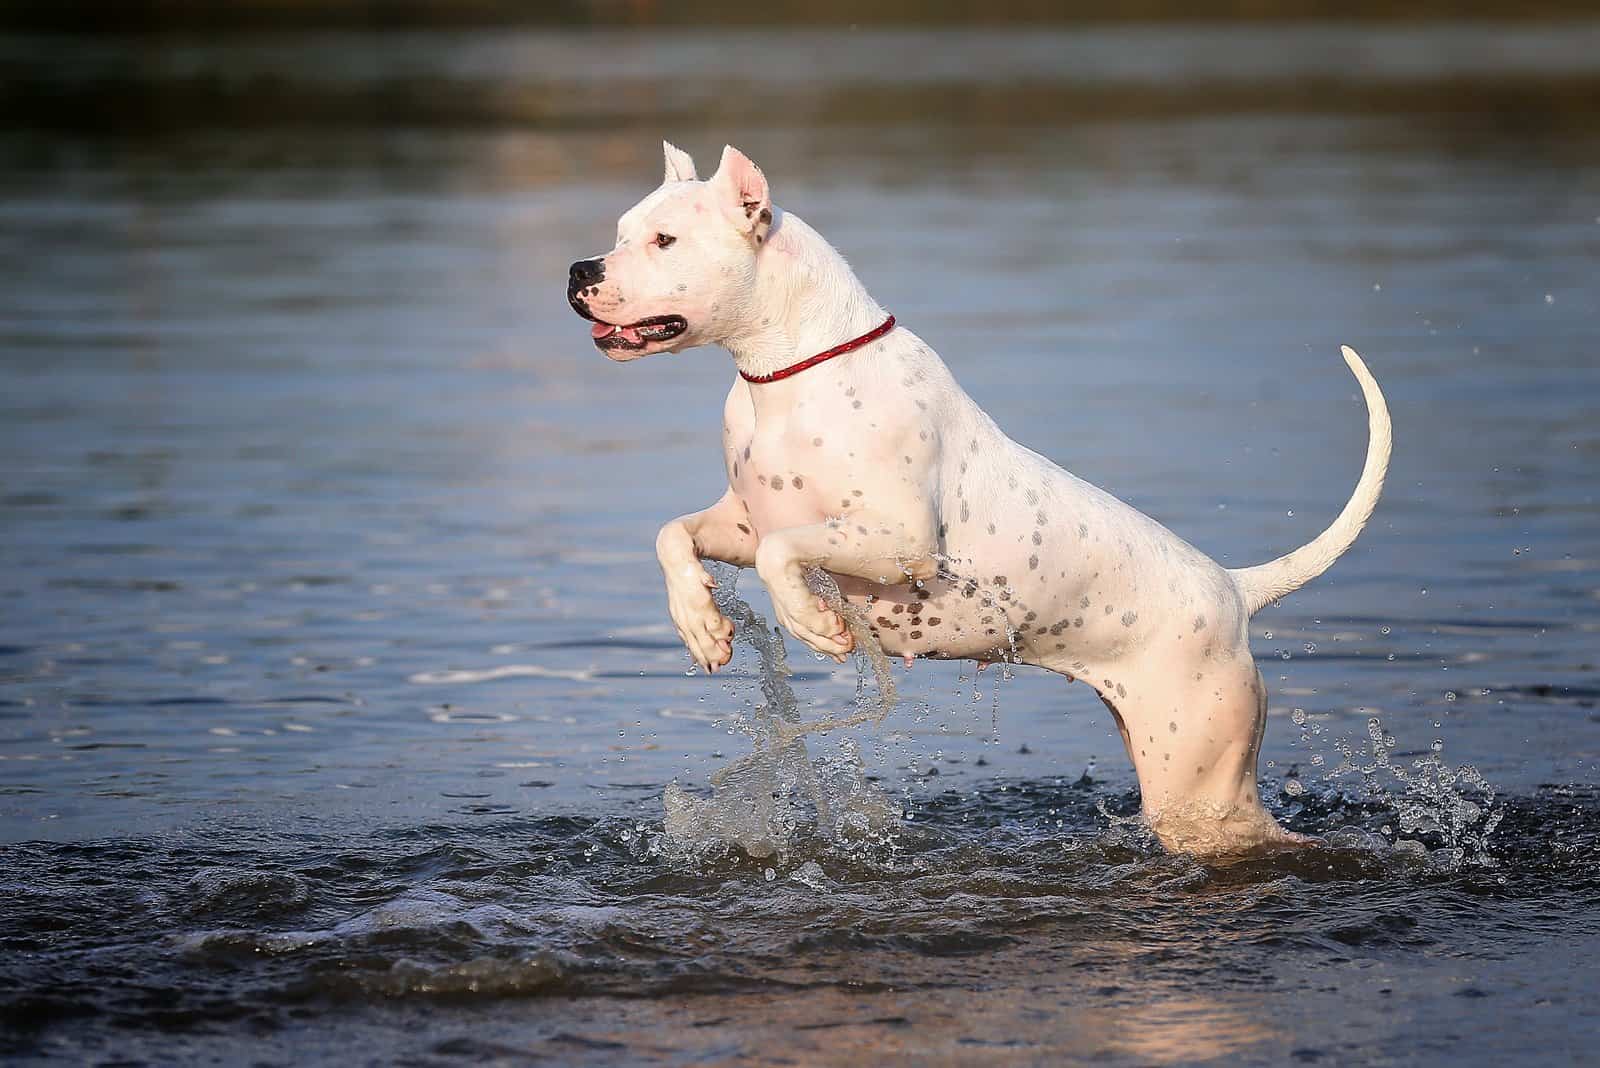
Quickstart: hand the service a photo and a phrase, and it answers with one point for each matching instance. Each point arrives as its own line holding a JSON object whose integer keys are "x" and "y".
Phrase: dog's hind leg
{"x": 1193, "y": 740}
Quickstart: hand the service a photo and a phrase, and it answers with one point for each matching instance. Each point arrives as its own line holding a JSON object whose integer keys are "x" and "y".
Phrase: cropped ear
{"x": 742, "y": 189}
{"x": 680, "y": 168}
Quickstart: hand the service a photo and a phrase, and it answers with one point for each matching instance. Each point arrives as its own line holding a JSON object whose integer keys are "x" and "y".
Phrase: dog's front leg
{"x": 721, "y": 532}
{"x": 888, "y": 553}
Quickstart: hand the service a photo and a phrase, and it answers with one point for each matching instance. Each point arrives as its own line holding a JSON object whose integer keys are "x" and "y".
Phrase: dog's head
{"x": 683, "y": 270}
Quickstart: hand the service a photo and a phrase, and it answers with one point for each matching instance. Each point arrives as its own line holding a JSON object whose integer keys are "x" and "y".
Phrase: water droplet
{"x": 1299, "y": 717}
{"x": 1449, "y": 695}
{"x": 1267, "y": 634}
{"x": 1293, "y": 788}
{"x": 1290, "y": 513}
{"x": 1437, "y": 745}
{"x": 1384, "y": 629}
{"x": 1549, "y": 298}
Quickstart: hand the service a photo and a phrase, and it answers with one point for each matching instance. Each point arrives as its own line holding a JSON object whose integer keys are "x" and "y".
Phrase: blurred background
{"x": 321, "y": 515}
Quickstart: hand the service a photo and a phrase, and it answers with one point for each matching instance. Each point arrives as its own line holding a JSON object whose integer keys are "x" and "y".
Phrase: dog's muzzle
{"x": 582, "y": 279}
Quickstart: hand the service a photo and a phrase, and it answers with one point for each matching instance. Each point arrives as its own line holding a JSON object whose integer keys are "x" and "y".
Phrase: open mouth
{"x": 638, "y": 335}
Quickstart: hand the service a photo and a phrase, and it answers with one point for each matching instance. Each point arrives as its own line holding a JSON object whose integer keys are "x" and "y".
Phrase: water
{"x": 338, "y": 703}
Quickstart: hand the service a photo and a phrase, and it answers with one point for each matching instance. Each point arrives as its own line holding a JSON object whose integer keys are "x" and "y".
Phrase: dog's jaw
{"x": 630, "y": 341}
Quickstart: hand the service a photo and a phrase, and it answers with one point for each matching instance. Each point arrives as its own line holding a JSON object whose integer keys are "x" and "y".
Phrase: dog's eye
{"x": 664, "y": 240}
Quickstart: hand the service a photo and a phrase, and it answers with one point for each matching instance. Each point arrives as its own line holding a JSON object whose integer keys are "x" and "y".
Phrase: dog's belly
{"x": 1075, "y": 581}
{"x": 954, "y": 618}
{"x": 935, "y": 620}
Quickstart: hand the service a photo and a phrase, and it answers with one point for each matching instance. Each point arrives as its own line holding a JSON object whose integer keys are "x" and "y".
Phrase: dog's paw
{"x": 810, "y": 619}
{"x": 704, "y": 631}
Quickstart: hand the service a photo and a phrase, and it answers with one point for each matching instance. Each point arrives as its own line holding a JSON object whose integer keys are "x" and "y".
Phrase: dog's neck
{"x": 822, "y": 303}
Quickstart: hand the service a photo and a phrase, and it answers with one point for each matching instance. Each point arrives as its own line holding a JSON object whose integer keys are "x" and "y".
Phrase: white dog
{"x": 850, "y": 448}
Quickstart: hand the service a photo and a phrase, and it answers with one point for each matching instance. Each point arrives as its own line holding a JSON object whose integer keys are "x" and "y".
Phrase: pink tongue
{"x": 629, "y": 333}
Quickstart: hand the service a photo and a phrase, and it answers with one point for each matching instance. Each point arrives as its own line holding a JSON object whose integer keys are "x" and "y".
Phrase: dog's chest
{"x": 798, "y": 473}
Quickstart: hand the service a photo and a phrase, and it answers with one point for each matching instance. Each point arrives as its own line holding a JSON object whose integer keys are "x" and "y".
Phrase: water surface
{"x": 337, "y": 697}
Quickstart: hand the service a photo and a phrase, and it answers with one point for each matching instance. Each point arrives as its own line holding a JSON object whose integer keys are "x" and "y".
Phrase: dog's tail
{"x": 1265, "y": 583}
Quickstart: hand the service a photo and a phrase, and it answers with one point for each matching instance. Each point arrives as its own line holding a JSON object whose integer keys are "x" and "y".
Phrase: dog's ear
{"x": 743, "y": 189}
{"x": 680, "y": 168}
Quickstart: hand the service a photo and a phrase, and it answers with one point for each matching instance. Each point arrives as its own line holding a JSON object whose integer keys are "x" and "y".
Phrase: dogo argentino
{"x": 850, "y": 448}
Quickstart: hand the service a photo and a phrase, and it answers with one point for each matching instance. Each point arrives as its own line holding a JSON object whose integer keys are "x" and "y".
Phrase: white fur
{"x": 956, "y": 541}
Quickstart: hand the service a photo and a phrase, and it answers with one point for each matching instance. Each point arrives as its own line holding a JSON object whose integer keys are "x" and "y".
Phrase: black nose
{"x": 587, "y": 273}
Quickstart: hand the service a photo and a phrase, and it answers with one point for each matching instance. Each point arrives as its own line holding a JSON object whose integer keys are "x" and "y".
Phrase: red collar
{"x": 838, "y": 350}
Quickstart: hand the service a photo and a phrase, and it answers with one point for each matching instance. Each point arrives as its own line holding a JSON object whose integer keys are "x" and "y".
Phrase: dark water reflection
{"x": 333, "y": 665}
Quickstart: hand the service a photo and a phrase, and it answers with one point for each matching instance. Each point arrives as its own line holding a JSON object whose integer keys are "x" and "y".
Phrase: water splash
{"x": 762, "y": 802}
{"x": 1445, "y": 815}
